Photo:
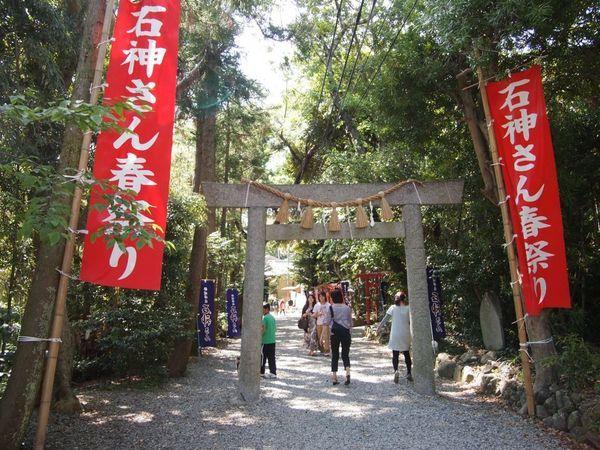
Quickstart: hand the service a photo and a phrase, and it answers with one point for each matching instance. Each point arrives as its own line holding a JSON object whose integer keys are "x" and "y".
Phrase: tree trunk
{"x": 11, "y": 279}
{"x": 538, "y": 329}
{"x": 21, "y": 391}
{"x": 479, "y": 142}
{"x": 205, "y": 170}
{"x": 64, "y": 398}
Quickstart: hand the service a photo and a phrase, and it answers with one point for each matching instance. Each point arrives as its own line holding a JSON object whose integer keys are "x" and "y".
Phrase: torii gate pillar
{"x": 254, "y": 282}
{"x": 418, "y": 296}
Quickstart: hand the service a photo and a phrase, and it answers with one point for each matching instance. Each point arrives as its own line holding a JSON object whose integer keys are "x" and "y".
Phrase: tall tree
{"x": 21, "y": 392}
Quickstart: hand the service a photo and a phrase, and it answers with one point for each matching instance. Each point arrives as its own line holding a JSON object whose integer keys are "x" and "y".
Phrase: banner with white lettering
{"x": 206, "y": 314}
{"x": 233, "y": 317}
{"x": 142, "y": 71}
{"x": 522, "y": 133}
{"x": 434, "y": 286}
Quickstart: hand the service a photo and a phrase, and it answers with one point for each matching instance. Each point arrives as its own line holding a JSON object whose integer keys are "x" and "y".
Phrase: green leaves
{"x": 24, "y": 108}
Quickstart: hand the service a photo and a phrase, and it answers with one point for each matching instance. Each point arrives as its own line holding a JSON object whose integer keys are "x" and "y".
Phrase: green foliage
{"x": 133, "y": 339}
{"x": 410, "y": 124}
{"x": 24, "y": 109}
{"x": 577, "y": 362}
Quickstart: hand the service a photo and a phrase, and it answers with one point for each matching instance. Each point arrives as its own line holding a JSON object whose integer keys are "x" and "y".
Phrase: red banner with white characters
{"x": 143, "y": 71}
{"x": 522, "y": 133}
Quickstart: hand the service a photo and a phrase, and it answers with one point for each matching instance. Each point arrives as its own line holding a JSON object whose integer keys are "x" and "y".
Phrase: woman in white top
{"x": 399, "y": 334}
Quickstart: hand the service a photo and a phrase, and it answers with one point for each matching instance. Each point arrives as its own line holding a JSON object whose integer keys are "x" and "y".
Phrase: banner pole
{"x": 67, "y": 261}
{"x": 508, "y": 239}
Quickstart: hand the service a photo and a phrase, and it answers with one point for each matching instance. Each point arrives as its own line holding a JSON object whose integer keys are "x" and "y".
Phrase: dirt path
{"x": 298, "y": 410}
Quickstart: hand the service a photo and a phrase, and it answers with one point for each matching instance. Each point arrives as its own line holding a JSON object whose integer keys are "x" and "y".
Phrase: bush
{"x": 133, "y": 340}
{"x": 578, "y": 363}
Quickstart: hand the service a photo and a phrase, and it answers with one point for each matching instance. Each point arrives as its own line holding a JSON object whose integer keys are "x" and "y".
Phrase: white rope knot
{"x": 100, "y": 86}
{"x": 521, "y": 319}
{"x": 506, "y": 245}
{"x": 542, "y": 342}
{"x": 71, "y": 230}
{"x": 37, "y": 339}
{"x": 112, "y": 39}
{"x": 65, "y": 274}
{"x": 79, "y": 177}
{"x": 504, "y": 201}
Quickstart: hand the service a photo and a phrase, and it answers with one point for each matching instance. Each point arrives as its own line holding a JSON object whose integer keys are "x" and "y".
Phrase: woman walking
{"x": 310, "y": 335}
{"x": 341, "y": 329}
{"x": 399, "y": 314}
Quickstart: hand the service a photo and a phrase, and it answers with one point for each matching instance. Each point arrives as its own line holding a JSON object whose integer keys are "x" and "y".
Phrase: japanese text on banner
{"x": 142, "y": 71}
{"x": 523, "y": 137}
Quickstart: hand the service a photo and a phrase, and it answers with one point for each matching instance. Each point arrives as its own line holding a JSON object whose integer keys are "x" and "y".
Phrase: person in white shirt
{"x": 323, "y": 316}
{"x": 400, "y": 338}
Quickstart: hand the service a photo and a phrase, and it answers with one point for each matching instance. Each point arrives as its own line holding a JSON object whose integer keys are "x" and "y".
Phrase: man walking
{"x": 268, "y": 342}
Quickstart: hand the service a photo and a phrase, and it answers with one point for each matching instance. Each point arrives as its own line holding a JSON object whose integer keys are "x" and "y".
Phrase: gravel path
{"x": 298, "y": 410}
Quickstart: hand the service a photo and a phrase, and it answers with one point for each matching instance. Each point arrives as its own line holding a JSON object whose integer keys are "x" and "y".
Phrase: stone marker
{"x": 491, "y": 322}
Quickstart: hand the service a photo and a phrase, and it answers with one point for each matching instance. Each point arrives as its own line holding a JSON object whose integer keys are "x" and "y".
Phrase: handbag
{"x": 303, "y": 323}
{"x": 336, "y": 328}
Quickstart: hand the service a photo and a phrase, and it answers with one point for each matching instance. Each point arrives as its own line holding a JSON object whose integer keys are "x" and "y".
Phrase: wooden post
{"x": 61, "y": 295}
{"x": 508, "y": 239}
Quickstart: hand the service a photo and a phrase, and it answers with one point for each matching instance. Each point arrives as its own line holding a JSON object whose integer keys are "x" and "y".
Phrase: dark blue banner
{"x": 233, "y": 317}
{"x": 206, "y": 314}
{"x": 435, "y": 304}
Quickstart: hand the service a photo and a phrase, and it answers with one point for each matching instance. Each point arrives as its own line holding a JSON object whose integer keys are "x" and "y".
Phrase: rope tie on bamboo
{"x": 37, "y": 339}
{"x": 79, "y": 177}
{"x": 504, "y": 201}
{"x": 499, "y": 163}
{"x": 112, "y": 39}
{"x": 507, "y": 244}
{"x": 541, "y": 342}
{"x": 100, "y": 86}
{"x": 65, "y": 274}
{"x": 523, "y": 348}
{"x": 521, "y": 319}
{"x": 34, "y": 339}
{"x": 71, "y": 230}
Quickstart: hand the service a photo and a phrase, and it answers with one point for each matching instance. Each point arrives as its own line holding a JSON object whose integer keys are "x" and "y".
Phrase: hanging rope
{"x": 319, "y": 204}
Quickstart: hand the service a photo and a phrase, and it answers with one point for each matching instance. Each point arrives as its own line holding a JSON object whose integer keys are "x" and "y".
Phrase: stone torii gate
{"x": 410, "y": 196}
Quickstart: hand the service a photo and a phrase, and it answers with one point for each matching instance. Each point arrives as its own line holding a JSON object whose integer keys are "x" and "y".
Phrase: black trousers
{"x": 407, "y": 360}
{"x": 268, "y": 353}
{"x": 336, "y": 340}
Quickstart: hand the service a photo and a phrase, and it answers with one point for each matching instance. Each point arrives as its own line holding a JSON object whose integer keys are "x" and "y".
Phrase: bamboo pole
{"x": 67, "y": 261}
{"x": 508, "y": 239}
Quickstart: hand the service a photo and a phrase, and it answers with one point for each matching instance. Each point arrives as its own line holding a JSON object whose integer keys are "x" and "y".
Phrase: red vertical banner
{"x": 524, "y": 143}
{"x": 143, "y": 71}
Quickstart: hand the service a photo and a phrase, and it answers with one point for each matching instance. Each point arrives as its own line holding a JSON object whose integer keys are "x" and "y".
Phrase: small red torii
{"x": 372, "y": 284}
